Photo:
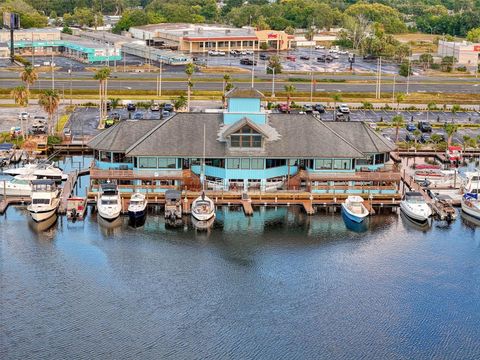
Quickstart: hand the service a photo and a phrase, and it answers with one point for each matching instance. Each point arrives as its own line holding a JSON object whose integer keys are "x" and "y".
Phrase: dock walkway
{"x": 6, "y": 201}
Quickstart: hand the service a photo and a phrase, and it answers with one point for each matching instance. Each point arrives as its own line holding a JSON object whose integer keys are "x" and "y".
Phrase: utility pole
{"x": 70, "y": 75}
{"x": 53, "y": 71}
{"x": 273, "y": 80}
{"x": 393, "y": 89}
{"x": 408, "y": 76}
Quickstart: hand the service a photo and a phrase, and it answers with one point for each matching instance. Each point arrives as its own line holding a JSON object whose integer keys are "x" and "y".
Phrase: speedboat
{"x": 203, "y": 208}
{"x": 45, "y": 199}
{"x": 437, "y": 178}
{"x": 109, "y": 204}
{"x": 472, "y": 183}
{"x": 173, "y": 204}
{"x": 415, "y": 207}
{"x": 137, "y": 207}
{"x": 471, "y": 205}
{"x": 354, "y": 209}
{"x": 76, "y": 208}
{"x": 20, "y": 185}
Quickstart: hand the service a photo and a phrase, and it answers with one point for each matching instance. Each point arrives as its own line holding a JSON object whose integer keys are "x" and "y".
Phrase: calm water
{"x": 278, "y": 285}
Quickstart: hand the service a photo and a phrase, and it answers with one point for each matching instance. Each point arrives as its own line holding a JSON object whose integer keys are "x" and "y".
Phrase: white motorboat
{"x": 415, "y": 207}
{"x": 472, "y": 182}
{"x": 437, "y": 177}
{"x": 109, "y": 203}
{"x": 76, "y": 208}
{"x": 471, "y": 205}
{"x": 20, "y": 185}
{"x": 354, "y": 209}
{"x": 45, "y": 199}
{"x": 137, "y": 207}
{"x": 41, "y": 170}
{"x": 203, "y": 208}
{"x": 173, "y": 204}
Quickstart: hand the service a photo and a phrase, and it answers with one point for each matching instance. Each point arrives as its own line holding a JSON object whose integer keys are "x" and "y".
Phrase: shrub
{"x": 54, "y": 140}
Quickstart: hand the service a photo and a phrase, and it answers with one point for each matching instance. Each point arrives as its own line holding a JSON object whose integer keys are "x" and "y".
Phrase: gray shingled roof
{"x": 244, "y": 93}
{"x": 301, "y": 136}
{"x": 121, "y": 136}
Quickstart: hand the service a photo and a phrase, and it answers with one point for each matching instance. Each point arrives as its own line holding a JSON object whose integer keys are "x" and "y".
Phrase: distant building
{"x": 465, "y": 53}
{"x": 195, "y": 38}
{"x": 44, "y": 34}
{"x": 246, "y": 148}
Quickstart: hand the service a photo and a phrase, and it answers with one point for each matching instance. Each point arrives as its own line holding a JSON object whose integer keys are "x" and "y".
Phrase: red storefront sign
{"x": 272, "y": 36}
{"x": 476, "y": 48}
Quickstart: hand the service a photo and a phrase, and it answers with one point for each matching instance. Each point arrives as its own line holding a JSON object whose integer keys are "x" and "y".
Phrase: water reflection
{"x": 110, "y": 228}
{"x": 354, "y": 226}
{"x": 44, "y": 229}
{"x": 470, "y": 221}
{"x": 413, "y": 225}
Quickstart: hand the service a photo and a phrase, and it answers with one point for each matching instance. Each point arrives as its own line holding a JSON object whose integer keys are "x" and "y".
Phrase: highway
{"x": 263, "y": 85}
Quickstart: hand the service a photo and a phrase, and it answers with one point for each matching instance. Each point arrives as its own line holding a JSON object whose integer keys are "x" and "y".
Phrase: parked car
{"x": 246, "y": 61}
{"x": 320, "y": 108}
{"x": 115, "y": 115}
{"x": 329, "y": 58}
{"x": 131, "y": 107}
{"x": 308, "y": 109}
{"x": 138, "y": 115}
{"x": 343, "y": 52}
{"x": 319, "y": 47}
{"x": 155, "y": 107}
{"x": 424, "y": 126}
{"x": 23, "y": 115}
{"x": 304, "y": 57}
{"x": 343, "y": 108}
{"x": 108, "y": 104}
{"x": 370, "y": 57}
{"x": 39, "y": 119}
{"x": 212, "y": 53}
{"x": 424, "y": 138}
{"x": 165, "y": 114}
{"x": 410, "y": 137}
{"x": 168, "y": 107}
{"x": 411, "y": 126}
{"x": 109, "y": 122}
{"x": 249, "y": 52}
{"x": 283, "y": 108}
{"x": 321, "y": 58}
{"x": 264, "y": 57}
{"x": 440, "y": 136}
{"x": 291, "y": 58}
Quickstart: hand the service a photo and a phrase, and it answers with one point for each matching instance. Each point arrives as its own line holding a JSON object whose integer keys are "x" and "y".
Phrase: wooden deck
{"x": 11, "y": 200}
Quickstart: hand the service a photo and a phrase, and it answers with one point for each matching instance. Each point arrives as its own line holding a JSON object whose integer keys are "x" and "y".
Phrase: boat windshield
{"x": 136, "y": 202}
{"x": 40, "y": 201}
{"x": 109, "y": 202}
{"x": 416, "y": 199}
{"x": 19, "y": 181}
{"x": 202, "y": 207}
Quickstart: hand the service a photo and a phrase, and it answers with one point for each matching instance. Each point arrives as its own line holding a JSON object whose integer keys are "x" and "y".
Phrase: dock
{"x": 68, "y": 188}
{"x": 13, "y": 200}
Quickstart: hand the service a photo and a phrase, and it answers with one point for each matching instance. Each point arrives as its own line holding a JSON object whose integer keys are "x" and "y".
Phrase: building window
{"x": 379, "y": 158}
{"x": 245, "y": 163}
{"x": 233, "y": 163}
{"x": 105, "y": 156}
{"x": 341, "y": 164}
{"x": 323, "y": 164}
{"x": 256, "y": 164}
{"x": 271, "y": 163}
{"x": 169, "y": 163}
{"x": 147, "y": 162}
{"x": 246, "y": 137}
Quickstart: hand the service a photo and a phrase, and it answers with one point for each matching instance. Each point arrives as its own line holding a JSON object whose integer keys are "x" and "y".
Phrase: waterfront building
{"x": 198, "y": 38}
{"x": 246, "y": 149}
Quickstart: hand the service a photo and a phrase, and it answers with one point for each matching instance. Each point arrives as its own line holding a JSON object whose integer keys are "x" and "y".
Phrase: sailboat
{"x": 203, "y": 208}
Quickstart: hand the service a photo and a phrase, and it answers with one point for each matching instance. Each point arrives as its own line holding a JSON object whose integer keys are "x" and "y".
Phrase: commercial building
{"x": 465, "y": 53}
{"x": 246, "y": 149}
{"x": 44, "y": 34}
{"x": 196, "y": 38}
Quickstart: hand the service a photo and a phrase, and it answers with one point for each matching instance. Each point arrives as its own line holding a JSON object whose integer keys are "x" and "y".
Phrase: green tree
{"x": 426, "y": 60}
{"x": 115, "y": 102}
{"x": 405, "y": 69}
{"x": 49, "y": 100}
{"x": 180, "y": 102}
{"x": 454, "y": 110}
{"x": 450, "y": 130}
{"x": 473, "y": 35}
{"x": 129, "y": 19}
{"x": 226, "y": 80}
{"x": 189, "y": 70}
{"x": 20, "y": 95}
{"x": 389, "y": 18}
{"x": 400, "y": 97}
{"x": 397, "y": 122}
{"x": 274, "y": 63}
{"x": 289, "y": 90}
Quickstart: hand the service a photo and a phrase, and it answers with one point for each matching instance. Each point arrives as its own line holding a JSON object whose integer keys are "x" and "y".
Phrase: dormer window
{"x": 246, "y": 137}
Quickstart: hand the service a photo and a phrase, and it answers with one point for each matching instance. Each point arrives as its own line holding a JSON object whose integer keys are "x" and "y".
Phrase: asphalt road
{"x": 113, "y": 84}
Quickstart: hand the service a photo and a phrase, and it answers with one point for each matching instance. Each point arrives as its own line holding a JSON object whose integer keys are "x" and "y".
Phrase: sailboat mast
{"x": 204, "y": 150}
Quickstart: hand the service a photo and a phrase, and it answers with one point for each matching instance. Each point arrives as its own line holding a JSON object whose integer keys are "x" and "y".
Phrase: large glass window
{"x": 256, "y": 163}
{"x": 341, "y": 164}
{"x": 233, "y": 163}
{"x": 167, "y": 163}
{"x": 271, "y": 163}
{"x": 379, "y": 158}
{"x": 105, "y": 156}
{"x": 323, "y": 164}
{"x": 245, "y": 163}
{"x": 246, "y": 137}
{"x": 147, "y": 162}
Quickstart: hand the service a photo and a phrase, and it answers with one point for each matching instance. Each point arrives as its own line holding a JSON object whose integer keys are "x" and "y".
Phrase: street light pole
{"x": 70, "y": 75}
{"x": 408, "y": 77}
{"x": 393, "y": 89}
{"x": 273, "y": 80}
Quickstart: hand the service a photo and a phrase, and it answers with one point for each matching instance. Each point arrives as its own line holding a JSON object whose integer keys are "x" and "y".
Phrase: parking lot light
{"x": 273, "y": 80}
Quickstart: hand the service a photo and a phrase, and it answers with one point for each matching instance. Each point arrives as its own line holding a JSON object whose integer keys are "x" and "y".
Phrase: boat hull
{"x": 470, "y": 211}
{"x": 137, "y": 215}
{"x": 9, "y": 191}
{"x": 109, "y": 214}
{"x": 354, "y": 217}
{"x": 41, "y": 215}
{"x": 203, "y": 217}
{"x": 414, "y": 215}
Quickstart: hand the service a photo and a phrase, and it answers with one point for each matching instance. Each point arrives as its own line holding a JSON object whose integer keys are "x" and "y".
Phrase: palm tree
{"x": 102, "y": 76}
{"x": 289, "y": 89}
{"x": 400, "y": 98}
{"x": 450, "y": 130}
{"x": 49, "y": 101}
{"x": 20, "y": 95}
{"x": 115, "y": 102}
{"x": 29, "y": 76}
{"x": 455, "y": 108}
{"x": 397, "y": 122}
{"x": 336, "y": 98}
{"x": 180, "y": 102}
{"x": 189, "y": 69}
{"x": 226, "y": 80}
{"x": 430, "y": 106}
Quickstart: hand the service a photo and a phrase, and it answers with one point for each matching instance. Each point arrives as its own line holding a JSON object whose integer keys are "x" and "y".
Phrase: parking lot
{"x": 337, "y": 65}
{"x": 9, "y": 116}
